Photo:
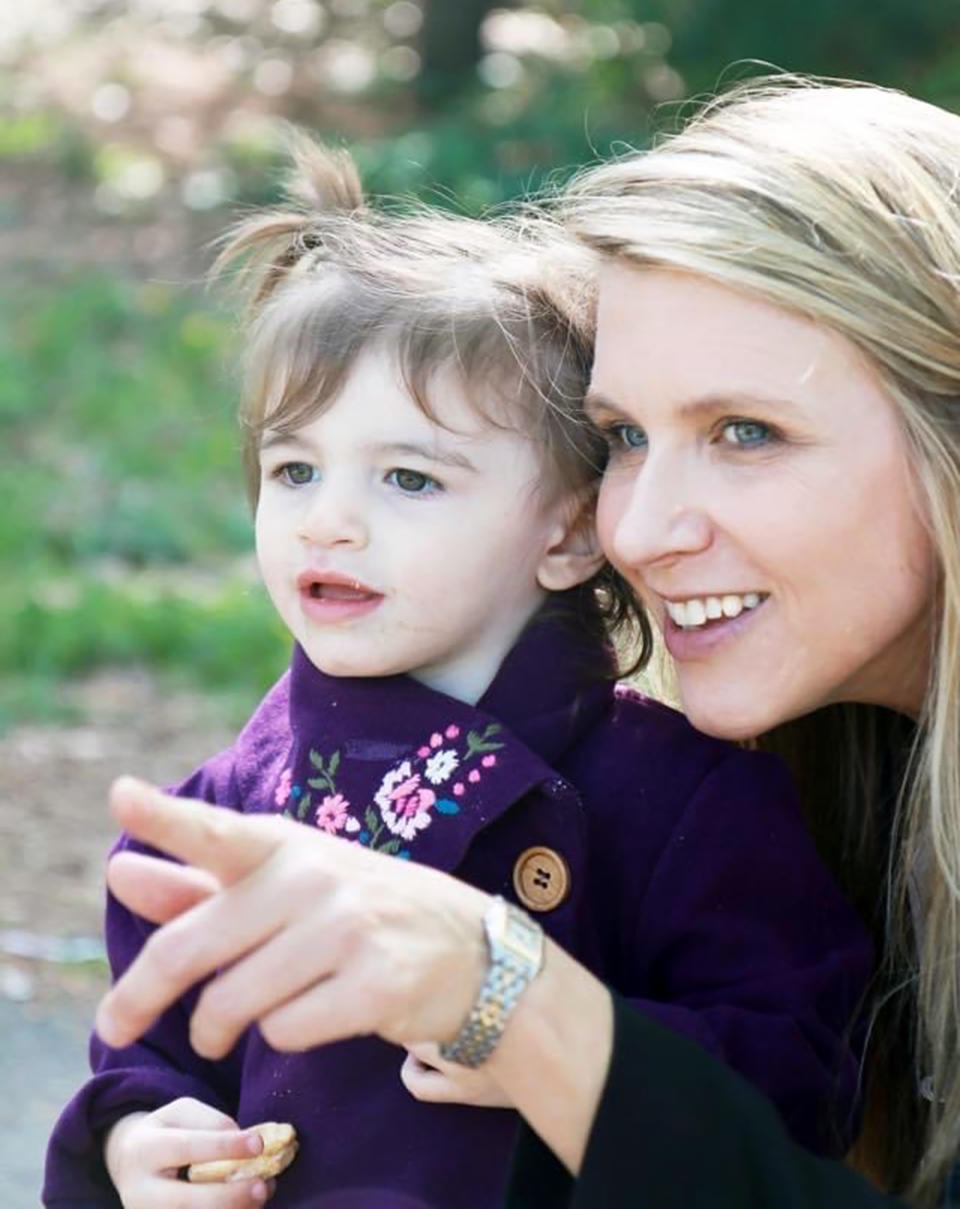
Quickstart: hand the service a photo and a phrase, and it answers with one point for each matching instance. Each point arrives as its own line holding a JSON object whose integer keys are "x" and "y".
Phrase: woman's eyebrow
{"x": 596, "y": 403}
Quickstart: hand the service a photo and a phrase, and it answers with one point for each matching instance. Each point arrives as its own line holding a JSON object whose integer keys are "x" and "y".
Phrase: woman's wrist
{"x": 553, "y": 1057}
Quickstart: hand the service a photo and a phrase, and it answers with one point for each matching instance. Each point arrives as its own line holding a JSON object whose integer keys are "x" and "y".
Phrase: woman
{"x": 777, "y": 367}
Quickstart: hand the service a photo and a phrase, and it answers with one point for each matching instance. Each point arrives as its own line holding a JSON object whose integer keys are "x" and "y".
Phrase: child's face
{"x": 390, "y": 544}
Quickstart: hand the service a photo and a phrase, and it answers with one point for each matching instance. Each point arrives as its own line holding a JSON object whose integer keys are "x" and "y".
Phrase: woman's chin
{"x": 736, "y": 721}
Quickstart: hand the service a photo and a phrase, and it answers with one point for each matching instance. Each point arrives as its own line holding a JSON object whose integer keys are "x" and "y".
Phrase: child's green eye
{"x": 413, "y": 482}
{"x": 296, "y": 474}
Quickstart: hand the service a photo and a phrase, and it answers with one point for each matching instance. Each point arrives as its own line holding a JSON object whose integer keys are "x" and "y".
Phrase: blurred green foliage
{"x": 124, "y": 534}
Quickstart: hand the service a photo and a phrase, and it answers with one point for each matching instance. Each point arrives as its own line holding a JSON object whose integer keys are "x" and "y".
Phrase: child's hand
{"x": 427, "y": 1077}
{"x": 145, "y": 1153}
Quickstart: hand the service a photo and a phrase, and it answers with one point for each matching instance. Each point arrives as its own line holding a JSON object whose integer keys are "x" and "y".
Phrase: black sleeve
{"x": 676, "y": 1128}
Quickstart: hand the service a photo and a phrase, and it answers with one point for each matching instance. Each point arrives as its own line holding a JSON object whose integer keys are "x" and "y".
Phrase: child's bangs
{"x": 300, "y": 354}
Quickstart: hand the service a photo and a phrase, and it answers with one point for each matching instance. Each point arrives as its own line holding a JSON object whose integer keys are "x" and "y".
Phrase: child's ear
{"x": 573, "y": 555}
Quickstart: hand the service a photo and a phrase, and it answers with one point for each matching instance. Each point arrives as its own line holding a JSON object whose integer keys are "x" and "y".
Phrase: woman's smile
{"x": 694, "y": 627}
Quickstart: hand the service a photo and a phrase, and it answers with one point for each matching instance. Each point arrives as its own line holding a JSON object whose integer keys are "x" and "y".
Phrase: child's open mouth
{"x": 329, "y": 591}
{"x": 330, "y": 596}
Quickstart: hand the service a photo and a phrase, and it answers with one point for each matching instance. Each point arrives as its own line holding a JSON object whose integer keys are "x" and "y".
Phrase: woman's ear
{"x": 573, "y": 554}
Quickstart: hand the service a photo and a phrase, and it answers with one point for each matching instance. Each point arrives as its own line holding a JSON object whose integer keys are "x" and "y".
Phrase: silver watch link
{"x": 515, "y": 947}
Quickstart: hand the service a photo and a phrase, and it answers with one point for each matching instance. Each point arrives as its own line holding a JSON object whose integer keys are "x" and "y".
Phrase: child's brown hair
{"x": 507, "y": 304}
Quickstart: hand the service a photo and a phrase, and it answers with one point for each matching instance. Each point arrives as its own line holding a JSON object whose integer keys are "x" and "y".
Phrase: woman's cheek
{"x": 612, "y": 504}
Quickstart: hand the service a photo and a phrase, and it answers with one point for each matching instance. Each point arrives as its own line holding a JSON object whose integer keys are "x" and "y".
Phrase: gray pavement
{"x": 43, "y": 1056}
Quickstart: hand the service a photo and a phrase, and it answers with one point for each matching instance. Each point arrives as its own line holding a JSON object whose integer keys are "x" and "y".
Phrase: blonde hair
{"x": 507, "y": 305}
{"x": 839, "y": 202}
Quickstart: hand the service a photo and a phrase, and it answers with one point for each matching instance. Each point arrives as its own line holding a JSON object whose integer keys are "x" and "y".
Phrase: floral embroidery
{"x": 283, "y": 788}
{"x": 332, "y": 813}
{"x": 403, "y": 805}
{"x": 440, "y": 766}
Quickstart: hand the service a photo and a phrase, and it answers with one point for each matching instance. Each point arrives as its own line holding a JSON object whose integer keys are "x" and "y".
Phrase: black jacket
{"x": 676, "y": 1129}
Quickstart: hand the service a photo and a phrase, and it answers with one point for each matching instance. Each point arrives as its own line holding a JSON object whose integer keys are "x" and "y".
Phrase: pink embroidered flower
{"x": 440, "y": 766}
{"x": 452, "y": 731}
{"x": 282, "y": 791}
{"x": 488, "y": 761}
{"x": 473, "y": 776}
{"x": 423, "y": 752}
{"x": 396, "y": 776}
{"x": 459, "y": 789}
{"x": 436, "y": 739}
{"x": 409, "y": 798}
{"x": 332, "y": 813}
{"x": 404, "y": 803}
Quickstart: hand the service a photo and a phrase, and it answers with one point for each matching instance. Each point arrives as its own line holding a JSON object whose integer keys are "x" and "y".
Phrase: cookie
{"x": 279, "y": 1149}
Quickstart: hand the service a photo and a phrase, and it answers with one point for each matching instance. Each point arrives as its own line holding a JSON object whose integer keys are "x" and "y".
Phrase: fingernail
{"x": 259, "y": 1193}
{"x": 254, "y": 1143}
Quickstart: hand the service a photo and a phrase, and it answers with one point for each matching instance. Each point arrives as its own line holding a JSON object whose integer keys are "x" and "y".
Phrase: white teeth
{"x": 698, "y": 610}
{"x": 732, "y": 606}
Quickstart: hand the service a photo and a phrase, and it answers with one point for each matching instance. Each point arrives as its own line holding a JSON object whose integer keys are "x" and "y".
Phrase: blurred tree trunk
{"x": 450, "y": 47}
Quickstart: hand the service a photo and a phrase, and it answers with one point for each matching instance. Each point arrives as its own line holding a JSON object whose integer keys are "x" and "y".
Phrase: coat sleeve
{"x": 676, "y": 1128}
{"x": 157, "y": 1069}
{"x": 748, "y": 948}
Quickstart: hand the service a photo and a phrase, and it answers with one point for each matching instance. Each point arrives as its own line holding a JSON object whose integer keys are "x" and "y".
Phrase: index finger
{"x": 227, "y": 844}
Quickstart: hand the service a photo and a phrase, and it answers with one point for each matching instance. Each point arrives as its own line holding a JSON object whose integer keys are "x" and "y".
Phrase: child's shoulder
{"x": 237, "y": 776}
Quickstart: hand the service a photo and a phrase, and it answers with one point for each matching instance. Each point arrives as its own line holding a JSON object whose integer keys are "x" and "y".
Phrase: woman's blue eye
{"x": 745, "y": 432}
{"x": 413, "y": 482}
{"x": 628, "y": 436}
{"x": 296, "y": 474}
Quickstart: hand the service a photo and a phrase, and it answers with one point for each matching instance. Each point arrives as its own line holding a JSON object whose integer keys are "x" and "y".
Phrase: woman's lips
{"x": 692, "y": 643}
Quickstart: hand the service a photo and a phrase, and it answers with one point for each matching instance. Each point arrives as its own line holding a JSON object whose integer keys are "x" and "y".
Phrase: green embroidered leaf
{"x": 334, "y": 765}
{"x": 391, "y": 847}
{"x": 320, "y": 783}
{"x": 481, "y": 743}
{"x": 316, "y": 760}
{"x": 303, "y": 807}
{"x": 370, "y": 818}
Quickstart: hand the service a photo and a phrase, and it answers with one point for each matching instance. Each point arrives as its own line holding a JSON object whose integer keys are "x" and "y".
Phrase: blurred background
{"x": 133, "y": 634}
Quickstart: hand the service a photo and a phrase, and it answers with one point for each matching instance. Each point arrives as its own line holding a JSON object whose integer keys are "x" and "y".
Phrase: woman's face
{"x": 759, "y": 497}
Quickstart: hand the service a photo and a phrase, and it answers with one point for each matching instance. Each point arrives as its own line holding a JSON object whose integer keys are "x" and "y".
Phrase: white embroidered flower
{"x": 406, "y": 825}
{"x": 393, "y": 778}
{"x": 440, "y": 766}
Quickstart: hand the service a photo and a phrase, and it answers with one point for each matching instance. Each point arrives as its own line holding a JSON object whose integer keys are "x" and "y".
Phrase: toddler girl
{"x": 424, "y": 483}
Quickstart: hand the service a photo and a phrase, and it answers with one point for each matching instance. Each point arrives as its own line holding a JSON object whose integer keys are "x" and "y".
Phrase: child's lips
{"x": 330, "y": 585}
{"x": 330, "y": 596}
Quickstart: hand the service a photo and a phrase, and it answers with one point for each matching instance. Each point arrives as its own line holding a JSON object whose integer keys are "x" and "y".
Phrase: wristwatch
{"x": 515, "y": 945}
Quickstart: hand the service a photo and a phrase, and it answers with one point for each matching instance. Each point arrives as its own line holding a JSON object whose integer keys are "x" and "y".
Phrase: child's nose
{"x": 333, "y": 518}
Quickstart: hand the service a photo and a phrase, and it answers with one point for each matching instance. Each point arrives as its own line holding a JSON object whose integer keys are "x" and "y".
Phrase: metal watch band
{"x": 515, "y": 944}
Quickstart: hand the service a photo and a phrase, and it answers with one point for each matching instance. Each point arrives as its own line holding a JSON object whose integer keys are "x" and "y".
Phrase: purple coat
{"x": 695, "y": 891}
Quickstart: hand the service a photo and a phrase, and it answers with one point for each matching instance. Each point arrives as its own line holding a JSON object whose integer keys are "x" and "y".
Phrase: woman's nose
{"x": 333, "y": 516}
{"x": 654, "y": 516}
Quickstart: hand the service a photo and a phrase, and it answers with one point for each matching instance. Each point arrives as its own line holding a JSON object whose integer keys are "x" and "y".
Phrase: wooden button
{"x": 541, "y": 878}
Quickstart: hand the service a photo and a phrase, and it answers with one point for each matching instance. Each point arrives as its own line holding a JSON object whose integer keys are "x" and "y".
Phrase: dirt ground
{"x": 55, "y": 829}
{"x": 55, "y": 832}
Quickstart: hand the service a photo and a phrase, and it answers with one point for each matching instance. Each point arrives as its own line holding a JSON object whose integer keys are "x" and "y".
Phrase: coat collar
{"x": 399, "y": 767}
